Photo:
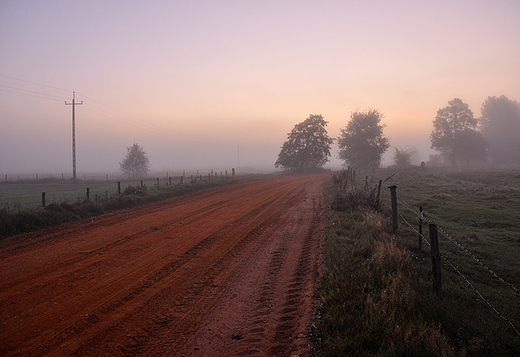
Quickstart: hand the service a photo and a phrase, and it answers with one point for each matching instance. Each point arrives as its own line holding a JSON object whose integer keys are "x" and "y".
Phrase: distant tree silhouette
{"x": 454, "y": 134}
{"x": 135, "y": 163}
{"x": 307, "y": 146}
{"x": 402, "y": 158}
{"x": 500, "y": 125}
{"x": 361, "y": 142}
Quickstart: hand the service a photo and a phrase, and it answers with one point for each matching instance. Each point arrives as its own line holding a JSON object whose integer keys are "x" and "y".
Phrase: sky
{"x": 219, "y": 84}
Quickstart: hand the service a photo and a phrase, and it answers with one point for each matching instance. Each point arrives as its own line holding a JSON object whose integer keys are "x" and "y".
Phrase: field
{"x": 66, "y": 201}
{"x": 23, "y": 194}
{"x": 377, "y": 289}
{"x": 375, "y": 294}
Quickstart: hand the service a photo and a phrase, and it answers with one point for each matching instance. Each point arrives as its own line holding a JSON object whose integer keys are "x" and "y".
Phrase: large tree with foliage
{"x": 135, "y": 163}
{"x": 362, "y": 143}
{"x": 500, "y": 125}
{"x": 307, "y": 146}
{"x": 454, "y": 134}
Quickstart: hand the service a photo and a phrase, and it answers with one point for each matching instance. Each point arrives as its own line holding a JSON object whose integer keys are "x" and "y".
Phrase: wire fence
{"x": 420, "y": 216}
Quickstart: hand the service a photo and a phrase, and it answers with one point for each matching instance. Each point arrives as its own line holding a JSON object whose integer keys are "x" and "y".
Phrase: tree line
{"x": 457, "y": 136}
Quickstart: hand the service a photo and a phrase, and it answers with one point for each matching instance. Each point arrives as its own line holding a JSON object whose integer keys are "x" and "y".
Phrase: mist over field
{"x": 218, "y": 85}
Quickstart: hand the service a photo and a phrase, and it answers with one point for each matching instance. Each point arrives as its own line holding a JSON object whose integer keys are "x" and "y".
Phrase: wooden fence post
{"x": 366, "y": 183}
{"x": 88, "y": 194}
{"x": 157, "y": 182}
{"x": 170, "y": 178}
{"x": 233, "y": 172}
{"x": 182, "y": 180}
{"x": 420, "y": 227}
{"x": 378, "y": 194}
{"x": 43, "y": 199}
{"x": 118, "y": 187}
{"x": 393, "y": 195}
{"x": 436, "y": 258}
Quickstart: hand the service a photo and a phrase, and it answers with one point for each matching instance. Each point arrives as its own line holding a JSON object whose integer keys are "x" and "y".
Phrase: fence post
{"x": 436, "y": 258}
{"x": 378, "y": 194}
{"x": 88, "y": 194}
{"x": 182, "y": 180}
{"x": 43, "y": 199}
{"x": 393, "y": 196}
{"x": 420, "y": 227}
{"x": 118, "y": 187}
{"x": 170, "y": 179}
{"x": 157, "y": 182}
{"x": 233, "y": 172}
{"x": 366, "y": 183}
{"x": 141, "y": 183}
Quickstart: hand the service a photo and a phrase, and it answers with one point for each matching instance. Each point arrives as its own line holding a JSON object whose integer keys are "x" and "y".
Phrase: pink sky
{"x": 194, "y": 81}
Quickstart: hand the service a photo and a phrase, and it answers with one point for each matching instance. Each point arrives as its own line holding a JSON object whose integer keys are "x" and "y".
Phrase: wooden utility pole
{"x": 73, "y": 133}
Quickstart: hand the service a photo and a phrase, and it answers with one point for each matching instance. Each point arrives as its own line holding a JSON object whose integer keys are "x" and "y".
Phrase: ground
{"x": 225, "y": 272}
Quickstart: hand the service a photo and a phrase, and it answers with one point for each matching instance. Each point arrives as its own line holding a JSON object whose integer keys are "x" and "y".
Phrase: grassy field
{"x": 66, "y": 201}
{"x": 376, "y": 295}
{"x": 21, "y": 195}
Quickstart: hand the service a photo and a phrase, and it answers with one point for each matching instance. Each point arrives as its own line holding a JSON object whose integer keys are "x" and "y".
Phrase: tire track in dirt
{"x": 164, "y": 279}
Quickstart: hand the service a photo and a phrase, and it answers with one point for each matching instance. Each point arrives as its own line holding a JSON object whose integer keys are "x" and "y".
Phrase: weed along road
{"x": 224, "y": 272}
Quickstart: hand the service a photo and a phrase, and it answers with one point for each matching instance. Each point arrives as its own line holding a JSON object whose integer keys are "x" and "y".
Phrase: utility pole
{"x": 73, "y": 133}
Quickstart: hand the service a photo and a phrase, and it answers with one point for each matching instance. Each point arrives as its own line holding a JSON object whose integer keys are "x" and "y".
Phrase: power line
{"x": 30, "y": 95}
{"x": 125, "y": 117}
{"x": 43, "y": 85}
{"x": 34, "y": 92}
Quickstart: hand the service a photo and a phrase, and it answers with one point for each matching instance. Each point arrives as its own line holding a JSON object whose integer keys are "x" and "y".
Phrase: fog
{"x": 211, "y": 85}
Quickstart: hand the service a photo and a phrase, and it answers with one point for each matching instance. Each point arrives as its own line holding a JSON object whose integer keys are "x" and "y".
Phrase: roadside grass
{"x": 69, "y": 205}
{"x": 375, "y": 294}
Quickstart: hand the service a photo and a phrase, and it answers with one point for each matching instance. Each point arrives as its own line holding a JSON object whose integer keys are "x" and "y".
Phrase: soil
{"x": 224, "y": 272}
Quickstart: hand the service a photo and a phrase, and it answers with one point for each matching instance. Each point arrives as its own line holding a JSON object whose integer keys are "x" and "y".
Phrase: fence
{"x": 435, "y": 253}
{"x": 41, "y": 190}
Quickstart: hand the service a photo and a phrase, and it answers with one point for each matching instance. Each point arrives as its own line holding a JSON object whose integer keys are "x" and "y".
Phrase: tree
{"x": 403, "y": 158}
{"x": 136, "y": 163}
{"x": 471, "y": 146}
{"x": 500, "y": 125}
{"x": 361, "y": 142}
{"x": 454, "y": 133}
{"x": 307, "y": 146}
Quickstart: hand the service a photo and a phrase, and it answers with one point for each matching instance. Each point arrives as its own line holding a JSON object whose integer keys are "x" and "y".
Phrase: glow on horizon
{"x": 192, "y": 81}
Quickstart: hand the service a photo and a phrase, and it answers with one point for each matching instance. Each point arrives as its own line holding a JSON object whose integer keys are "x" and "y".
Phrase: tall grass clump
{"x": 371, "y": 300}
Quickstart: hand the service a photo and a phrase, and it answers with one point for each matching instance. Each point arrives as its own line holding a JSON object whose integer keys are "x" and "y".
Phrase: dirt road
{"x": 225, "y": 272}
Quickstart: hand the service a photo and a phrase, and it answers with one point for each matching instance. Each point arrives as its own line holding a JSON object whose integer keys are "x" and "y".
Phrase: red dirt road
{"x": 225, "y": 272}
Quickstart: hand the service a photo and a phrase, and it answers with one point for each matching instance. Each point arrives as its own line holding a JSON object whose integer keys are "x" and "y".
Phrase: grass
{"x": 67, "y": 202}
{"x": 375, "y": 295}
